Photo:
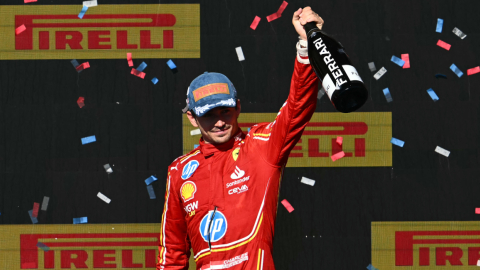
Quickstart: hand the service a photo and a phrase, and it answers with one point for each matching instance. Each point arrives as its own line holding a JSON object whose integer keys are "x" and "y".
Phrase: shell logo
{"x": 188, "y": 190}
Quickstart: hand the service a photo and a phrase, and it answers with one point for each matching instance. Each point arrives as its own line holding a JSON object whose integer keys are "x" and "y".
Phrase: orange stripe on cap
{"x": 210, "y": 89}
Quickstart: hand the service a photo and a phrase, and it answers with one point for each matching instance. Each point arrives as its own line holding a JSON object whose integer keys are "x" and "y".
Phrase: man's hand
{"x": 303, "y": 16}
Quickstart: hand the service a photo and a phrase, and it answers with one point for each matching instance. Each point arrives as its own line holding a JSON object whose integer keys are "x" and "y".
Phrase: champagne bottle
{"x": 339, "y": 77}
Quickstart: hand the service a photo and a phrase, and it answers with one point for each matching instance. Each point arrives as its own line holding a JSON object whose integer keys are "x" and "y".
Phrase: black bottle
{"x": 339, "y": 78}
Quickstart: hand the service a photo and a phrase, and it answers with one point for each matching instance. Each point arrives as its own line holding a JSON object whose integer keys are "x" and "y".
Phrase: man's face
{"x": 218, "y": 125}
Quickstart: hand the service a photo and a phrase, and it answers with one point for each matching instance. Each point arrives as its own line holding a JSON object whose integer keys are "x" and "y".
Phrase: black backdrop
{"x": 41, "y": 124}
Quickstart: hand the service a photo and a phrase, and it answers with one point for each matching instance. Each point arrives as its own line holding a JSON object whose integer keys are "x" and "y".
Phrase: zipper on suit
{"x": 210, "y": 227}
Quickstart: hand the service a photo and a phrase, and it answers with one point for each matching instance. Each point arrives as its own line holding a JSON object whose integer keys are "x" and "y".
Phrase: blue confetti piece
{"x": 80, "y": 220}
{"x": 150, "y": 179}
{"x": 171, "y": 65}
{"x": 74, "y": 63}
{"x": 154, "y": 80}
{"x": 456, "y": 70}
{"x": 34, "y": 220}
{"x": 89, "y": 139}
{"x": 398, "y": 61}
{"x": 43, "y": 246}
{"x": 195, "y": 146}
{"x": 387, "y": 94}
{"x": 439, "y": 25}
{"x": 432, "y": 94}
{"x": 370, "y": 267}
{"x": 141, "y": 67}
{"x": 82, "y": 13}
{"x": 440, "y": 76}
{"x": 151, "y": 192}
{"x": 397, "y": 142}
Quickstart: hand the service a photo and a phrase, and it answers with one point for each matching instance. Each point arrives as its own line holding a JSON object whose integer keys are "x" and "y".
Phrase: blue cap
{"x": 210, "y": 90}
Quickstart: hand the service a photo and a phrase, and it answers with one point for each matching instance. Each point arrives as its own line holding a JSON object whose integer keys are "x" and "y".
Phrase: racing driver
{"x": 221, "y": 198}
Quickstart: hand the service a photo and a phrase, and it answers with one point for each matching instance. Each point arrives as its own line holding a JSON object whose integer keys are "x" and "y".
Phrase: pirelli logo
{"x": 118, "y": 246}
{"x": 426, "y": 245}
{"x": 366, "y": 139}
{"x": 105, "y": 32}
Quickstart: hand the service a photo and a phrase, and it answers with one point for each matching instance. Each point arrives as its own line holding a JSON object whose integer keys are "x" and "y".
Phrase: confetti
{"x": 279, "y": 12}
{"x": 432, "y": 94}
{"x": 380, "y": 73}
{"x": 75, "y": 63}
{"x": 43, "y": 246}
{"x": 473, "y": 71}
{"x": 80, "y": 220}
{"x": 442, "y": 151}
{"x": 150, "y": 180}
{"x": 141, "y": 67}
{"x": 339, "y": 140}
{"x": 255, "y": 22}
{"x": 337, "y": 156}
{"x": 154, "y": 80}
{"x": 456, "y": 70}
{"x": 138, "y": 73}
{"x": 171, "y": 65}
{"x": 370, "y": 267}
{"x": 308, "y": 181}
{"x": 387, "y": 94}
{"x": 129, "y": 59}
{"x": 459, "y": 33}
{"x": 477, "y": 211}
{"x": 195, "y": 146}
{"x": 397, "y": 142}
{"x": 29, "y": 1}
{"x": 36, "y": 206}
{"x": 397, "y": 61}
{"x": 440, "y": 76}
{"x": 287, "y": 205}
{"x": 45, "y": 203}
{"x": 272, "y": 17}
{"x": 372, "y": 67}
{"x": 444, "y": 45}
{"x": 439, "y": 25}
{"x": 89, "y": 139}
{"x": 81, "y": 102}
{"x": 108, "y": 169}
{"x": 240, "y": 55}
{"x": 20, "y": 29}
{"x": 151, "y": 192}
{"x": 82, "y": 66}
{"x": 406, "y": 58}
{"x": 321, "y": 92}
{"x": 103, "y": 197}
{"x": 34, "y": 219}
{"x": 478, "y": 263}
{"x": 195, "y": 132}
{"x": 92, "y": 3}
{"x": 82, "y": 13}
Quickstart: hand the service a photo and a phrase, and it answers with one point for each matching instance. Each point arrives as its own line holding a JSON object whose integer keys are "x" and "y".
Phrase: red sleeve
{"x": 281, "y": 136}
{"x": 174, "y": 246}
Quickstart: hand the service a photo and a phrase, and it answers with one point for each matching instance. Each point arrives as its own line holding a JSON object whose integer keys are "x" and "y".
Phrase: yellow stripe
{"x": 261, "y": 134}
{"x": 237, "y": 245}
{"x": 182, "y": 159}
{"x": 163, "y": 219}
{"x": 258, "y": 264}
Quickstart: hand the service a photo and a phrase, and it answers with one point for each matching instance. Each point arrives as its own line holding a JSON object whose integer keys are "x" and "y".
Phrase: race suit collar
{"x": 209, "y": 149}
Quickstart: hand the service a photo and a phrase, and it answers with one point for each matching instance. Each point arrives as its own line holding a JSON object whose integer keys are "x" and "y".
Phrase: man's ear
{"x": 192, "y": 119}
{"x": 239, "y": 107}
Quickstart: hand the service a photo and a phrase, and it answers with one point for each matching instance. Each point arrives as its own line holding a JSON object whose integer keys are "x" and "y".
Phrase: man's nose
{"x": 220, "y": 123}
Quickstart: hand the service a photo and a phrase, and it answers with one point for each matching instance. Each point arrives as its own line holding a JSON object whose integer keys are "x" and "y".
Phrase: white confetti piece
{"x": 442, "y": 151}
{"x": 45, "y": 203}
{"x": 240, "y": 55}
{"x": 372, "y": 67}
{"x": 459, "y": 33}
{"x": 321, "y": 92}
{"x": 108, "y": 168}
{"x": 308, "y": 181}
{"x": 103, "y": 197}
{"x": 195, "y": 132}
{"x": 380, "y": 73}
{"x": 90, "y": 3}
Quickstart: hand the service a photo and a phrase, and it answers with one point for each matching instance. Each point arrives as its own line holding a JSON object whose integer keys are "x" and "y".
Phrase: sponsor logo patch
{"x": 188, "y": 190}
{"x": 218, "y": 227}
{"x": 189, "y": 169}
{"x": 235, "y": 153}
{"x": 237, "y": 173}
{"x": 191, "y": 207}
{"x": 210, "y": 89}
{"x": 238, "y": 190}
{"x": 246, "y": 178}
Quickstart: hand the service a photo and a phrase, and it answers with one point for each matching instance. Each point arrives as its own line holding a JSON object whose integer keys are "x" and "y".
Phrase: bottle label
{"x": 352, "y": 73}
{"x": 328, "y": 85}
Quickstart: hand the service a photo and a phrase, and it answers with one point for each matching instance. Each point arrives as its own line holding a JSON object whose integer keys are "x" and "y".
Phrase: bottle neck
{"x": 309, "y": 27}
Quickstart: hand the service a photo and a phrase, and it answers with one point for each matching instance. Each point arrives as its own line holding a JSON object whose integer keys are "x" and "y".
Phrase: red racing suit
{"x": 221, "y": 200}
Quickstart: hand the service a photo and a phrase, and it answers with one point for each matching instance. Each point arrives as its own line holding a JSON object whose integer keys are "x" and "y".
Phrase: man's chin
{"x": 221, "y": 138}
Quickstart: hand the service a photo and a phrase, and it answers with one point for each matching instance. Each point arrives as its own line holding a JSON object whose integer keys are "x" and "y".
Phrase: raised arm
{"x": 174, "y": 246}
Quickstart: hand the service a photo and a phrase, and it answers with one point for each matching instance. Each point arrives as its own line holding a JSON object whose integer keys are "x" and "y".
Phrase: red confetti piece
{"x": 20, "y": 29}
{"x": 282, "y": 8}
{"x": 29, "y": 1}
{"x": 477, "y": 210}
{"x": 473, "y": 71}
{"x": 138, "y": 73}
{"x": 287, "y": 205}
{"x": 80, "y": 102}
{"x": 255, "y": 23}
{"x": 444, "y": 45}
{"x": 338, "y": 155}
{"x": 35, "y": 210}
{"x": 129, "y": 59}
{"x": 339, "y": 140}
{"x": 82, "y": 66}
{"x": 272, "y": 17}
{"x": 406, "y": 58}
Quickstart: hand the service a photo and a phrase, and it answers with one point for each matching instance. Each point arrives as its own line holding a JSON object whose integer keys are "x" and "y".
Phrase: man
{"x": 221, "y": 198}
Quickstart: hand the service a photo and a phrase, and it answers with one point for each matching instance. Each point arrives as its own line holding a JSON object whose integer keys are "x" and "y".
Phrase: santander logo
{"x": 237, "y": 173}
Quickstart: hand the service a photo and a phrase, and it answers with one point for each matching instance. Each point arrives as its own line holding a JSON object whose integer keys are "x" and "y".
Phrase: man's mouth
{"x": 220, "y": 132}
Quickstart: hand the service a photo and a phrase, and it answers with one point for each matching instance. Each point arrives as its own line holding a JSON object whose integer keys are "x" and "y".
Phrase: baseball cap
{"x": 210, "y": 90}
